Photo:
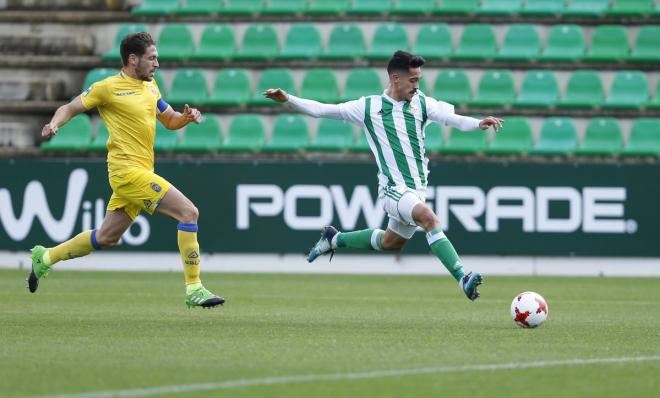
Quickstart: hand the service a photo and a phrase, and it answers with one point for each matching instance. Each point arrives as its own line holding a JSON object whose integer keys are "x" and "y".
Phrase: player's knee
{"x": 427, "y": 220}
{"x": 390, "y": 244}
{"x": 190, "y": 214}
{"x": 107, "y": 240}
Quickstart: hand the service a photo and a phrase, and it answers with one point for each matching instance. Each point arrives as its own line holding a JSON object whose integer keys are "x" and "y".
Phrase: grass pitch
{"x": 100, "y": 334}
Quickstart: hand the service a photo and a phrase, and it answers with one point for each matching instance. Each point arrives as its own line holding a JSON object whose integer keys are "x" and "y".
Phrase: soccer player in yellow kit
{"x": 129, "y": 104}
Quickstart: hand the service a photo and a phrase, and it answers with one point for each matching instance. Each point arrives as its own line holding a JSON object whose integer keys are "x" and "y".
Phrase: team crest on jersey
{"x": 155, "y": 187}
{"x": 153, "y": 89}
{"x": 147, "y": 204}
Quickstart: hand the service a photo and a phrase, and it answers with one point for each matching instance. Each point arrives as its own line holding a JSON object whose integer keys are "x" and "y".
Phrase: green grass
{"x": 99, "y": 331}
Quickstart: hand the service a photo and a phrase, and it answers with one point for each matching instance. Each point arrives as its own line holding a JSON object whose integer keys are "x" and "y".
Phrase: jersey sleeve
{"x": 438, "y": 111}
{"x": 161, "y": 105}
{"x": 95, "y": 95}
{"x": 353, "y": 111}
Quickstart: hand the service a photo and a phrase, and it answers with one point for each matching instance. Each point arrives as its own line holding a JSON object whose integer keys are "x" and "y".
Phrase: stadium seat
{"x": 644, "y": 138}
{"x": 232, "y": 88}
{"x": 285, "y": 7}
{"x": 370, "y": 7}
{"x": 500, "y": 7}
{"x": 259, "y": 43}
{"x": 539, "y": 90}
{"x": 609, "y": 44}
{"x": 629, "y": 90}
{"x": 346, "y": 42}
{"x": 601, "y": 138}
{"x": 272, "y": 78}
{"x": 558, "y": 137}
{"x": 388, "y": 38}
{"x": 100, "y": 141}
{"x": 543, "y": 7}
{"x": 325, "y": 7}
{"x": 465, "y": 142}
{"x": 521, "y": 43}
{"x": 203, "y": 137}
{"x": 243, "y": 7}
{"x": 655, "y": 102}
{"x": 458, "y": 7}
{"x": 156, "y": 8}
{"x": 477, "y": 43}
{"x": 97, "y": 74}
{"x": 361, "y": 82}
{"x": 586, "y": 8}
{"x": 188, "y": 87}
{"x": 114, "y": 55}
{"x": 290, "y": 134}
{"x": 165, "y": 140}
{"x": 200, "y": 7}
{"x": 303, "y": 41}
{"x": 495, "y": 89}
{"x": 76, "y": 135}
{"x": 515, "y": 138}
{"x": 160, "y": 82}
{"x": 217, "y": 43}
{"x": 453, "y": 86}
{"x": 632, "y": 8}
{"x": 584, "y": 90}
{"x": 433, "y": 140}
{"x": 565, "y": 43}
{"x": 245, "y": 134}
{"x": 333, "y": 135}
{"x": 175, "y": 43}
{"x": 361, "y": 145}
{"x": 433, "y": 42}
{"x": 413, "y": 7}
{"x": 646, "y": 45}
{"x": 320, "y": 85}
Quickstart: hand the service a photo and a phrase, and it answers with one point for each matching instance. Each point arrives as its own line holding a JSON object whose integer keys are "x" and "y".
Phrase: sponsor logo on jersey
{"x": 155, "y": 187}
{"x": 124, "y": 93}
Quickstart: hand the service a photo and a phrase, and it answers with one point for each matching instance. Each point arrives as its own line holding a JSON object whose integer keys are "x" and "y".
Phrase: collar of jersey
{"x": 392, "y": 100}
{"x": 130, "y": 79}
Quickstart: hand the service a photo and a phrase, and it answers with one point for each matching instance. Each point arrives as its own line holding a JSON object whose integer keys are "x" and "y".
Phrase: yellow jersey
{"x": 128, "y": 108}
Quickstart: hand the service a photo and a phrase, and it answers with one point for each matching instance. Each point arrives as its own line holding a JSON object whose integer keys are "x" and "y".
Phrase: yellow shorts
{"x": 135, "y": 189}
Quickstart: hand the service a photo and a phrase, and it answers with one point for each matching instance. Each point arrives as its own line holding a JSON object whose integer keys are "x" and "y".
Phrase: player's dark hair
{"x": 403, "y": 61}
{"x": 135, "y": 43}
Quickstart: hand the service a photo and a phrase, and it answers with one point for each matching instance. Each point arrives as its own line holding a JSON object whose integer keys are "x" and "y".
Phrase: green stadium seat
{"x": 433, "y": 141}
{"x": 586, "y": 8}
{"x": 200, "y": 7}
{"x": 259, "y": 43}
{"x": 76, "y": 135}
{"x": 495, "y": 89}
{"x": 565, "y": 43}
{"x": 601, "y": 138}
{"x": 150, "y": 8}
{"x": 114, "y": 55}
{"x": 160, "y": 82}
{"x": 203, "y": 137}
{"x": 290, "y": 134}
{"x": 369, "y": 7}
{"x": 325, "y": 7}
{"x": 558, "y": 138}
{"x": 646, "y": 45}
{"x": 539, "y": 90}
{"x": 413, "y": 7}
{"x": 346, "y": 42}
{"x": 272, "y": 78}
{"x": 629, "y": 90}
{"x": 632, "y": 8}
{"x": 422, "y": 85}
{"x": 97, "y": 74}
{"x": 477, "y": 43}
{"x": 245, "y": 134}
{"x": 515, "y": 138}
{"x": 458, "y": 7}
{"x": 232, "y": 88}
{"x": 165, "y": 140}
{"x": 465, "y": 142}
{"x": 644, "y": 138}
{"x": 188, "y": 87}
{"x": 543, "y": 7}
{"x": 388, "y": 38}
{"x": 500, "y": 7}
{"x": 433, "y": 41}
{"x": 655, "y": 102}
{"x": 217, "y": 43}
{"x": 100, "y": 141}
{"x": 453, "y": 86}
{"x": 361, "y": 145}
{"x": 285, "y": 7}
{"x": 656, "y": 11}
{"x": 609, "y": 44}
{"x": 320, "y": 85}
{"x": 303, "y": 41}
{"x": 333, "y": 135}
{"x": 361, "y": 82}
{"x": 584, "y": 90}
{"x": 521, "y": 43}
{"x": 243, "y": 7}
{"x": 175, "y": 43}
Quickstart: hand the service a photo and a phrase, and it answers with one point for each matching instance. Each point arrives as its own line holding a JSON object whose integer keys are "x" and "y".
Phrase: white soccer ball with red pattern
{"x": 529, "y": 310}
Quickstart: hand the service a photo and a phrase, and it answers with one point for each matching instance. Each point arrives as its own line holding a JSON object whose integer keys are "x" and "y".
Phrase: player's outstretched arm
{"x": 308, "y": 107}
{"x": 174, "y": 120}
{"x": 491, "y": 121}
{"x": 62, "y": 115}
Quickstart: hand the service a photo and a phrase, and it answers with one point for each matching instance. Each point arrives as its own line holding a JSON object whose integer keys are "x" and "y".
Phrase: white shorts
{"x": 398, "y": 203}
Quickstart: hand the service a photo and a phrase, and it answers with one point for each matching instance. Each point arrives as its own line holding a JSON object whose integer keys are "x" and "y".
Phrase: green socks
{"x": 365, "y": 239}
{"x": 444, "y": 250}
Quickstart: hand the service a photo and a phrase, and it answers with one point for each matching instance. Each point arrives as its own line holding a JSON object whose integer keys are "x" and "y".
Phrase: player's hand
{"x": 192, "y": 114}
{"x": 276, "y": 94}
{"x": 49, "y": 130}
{"x": 491, "y": 121}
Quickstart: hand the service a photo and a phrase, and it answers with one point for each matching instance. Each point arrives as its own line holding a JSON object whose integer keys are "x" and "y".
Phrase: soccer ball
{"x": 529, "y": 310}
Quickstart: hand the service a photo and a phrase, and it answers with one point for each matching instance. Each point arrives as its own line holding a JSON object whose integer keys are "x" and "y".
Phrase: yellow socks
{"x": 189, "y": 248}
{"x": 78, "y": 246}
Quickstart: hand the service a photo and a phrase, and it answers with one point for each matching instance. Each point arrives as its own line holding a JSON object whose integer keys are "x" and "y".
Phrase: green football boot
{"x": 39, "y": 268}
{"x": 201, "y": 297}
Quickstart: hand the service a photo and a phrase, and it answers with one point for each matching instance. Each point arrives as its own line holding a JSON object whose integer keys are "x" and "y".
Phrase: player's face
{"x": 147, "y": 64}
{"x": 407, "y": 84}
